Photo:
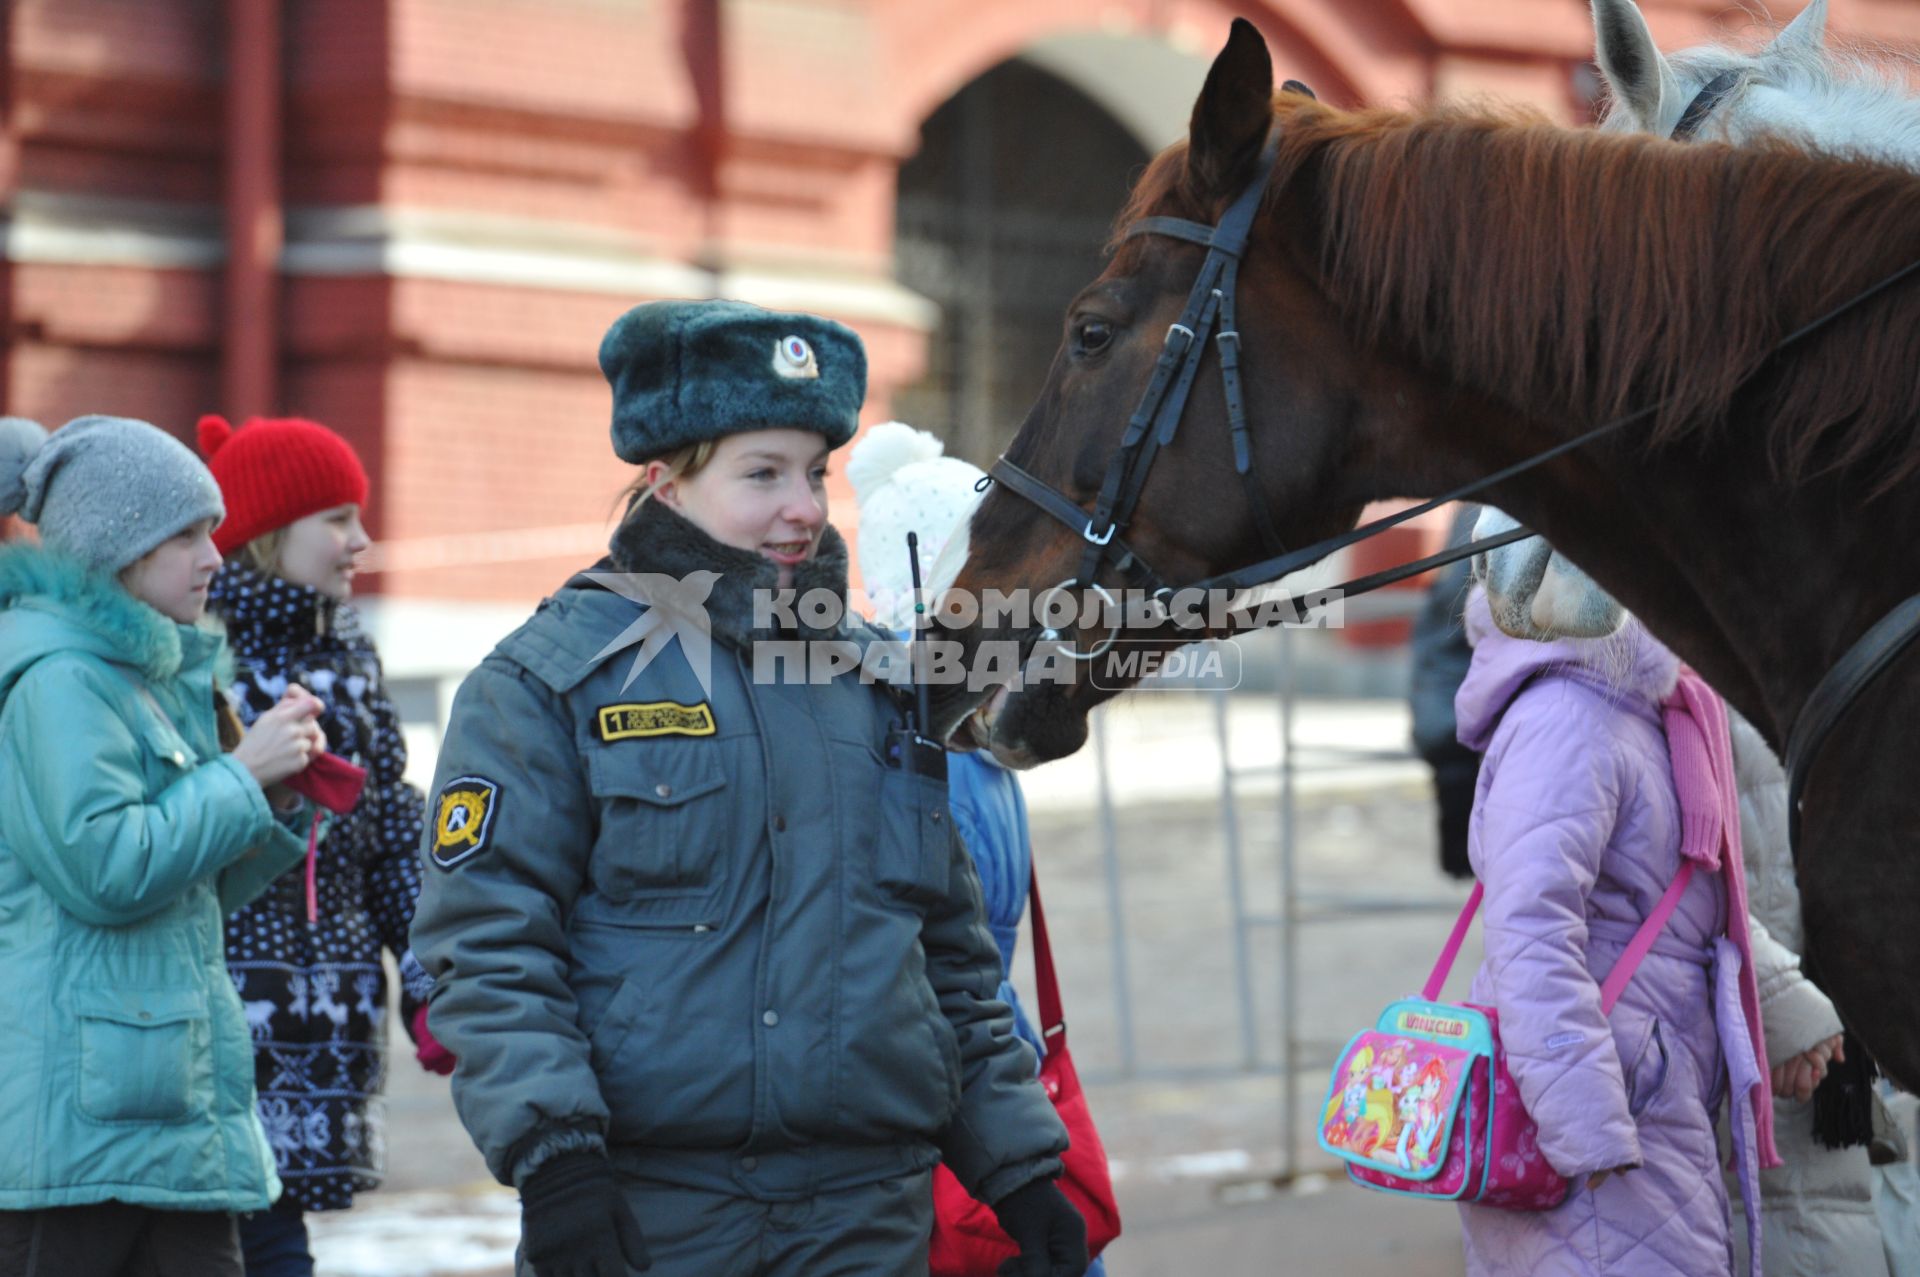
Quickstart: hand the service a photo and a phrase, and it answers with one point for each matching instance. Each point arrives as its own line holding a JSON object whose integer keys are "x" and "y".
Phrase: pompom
{"x": 20, "y": 442}
{"x": 213, "y": 433}
{"x": 882, "y": 451}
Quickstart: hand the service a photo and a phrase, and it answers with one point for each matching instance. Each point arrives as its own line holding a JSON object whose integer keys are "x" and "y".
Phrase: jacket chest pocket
{"x": 911, "y": 859}
{"x": 665, "y": 823}
{"x": 171, "y": 756}
{"x": 140, "y": 1052}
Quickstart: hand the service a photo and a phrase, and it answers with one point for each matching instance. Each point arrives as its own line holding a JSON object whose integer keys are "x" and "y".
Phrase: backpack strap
{"x": 1637, "y": 948}
{"x": 1617, "y": 979}
{"x": 1438, "y": 980}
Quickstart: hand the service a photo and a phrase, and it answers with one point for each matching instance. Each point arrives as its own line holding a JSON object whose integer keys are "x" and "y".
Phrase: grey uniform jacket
{"x": 709, "y": 929}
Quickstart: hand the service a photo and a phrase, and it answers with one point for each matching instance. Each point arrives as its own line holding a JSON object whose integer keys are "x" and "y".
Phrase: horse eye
{"x": 1093, "y": 336}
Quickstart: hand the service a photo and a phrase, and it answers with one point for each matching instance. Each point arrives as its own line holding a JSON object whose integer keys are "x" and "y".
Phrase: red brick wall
{"x": 477, "y": 406}
{"x": 121, "y": 340}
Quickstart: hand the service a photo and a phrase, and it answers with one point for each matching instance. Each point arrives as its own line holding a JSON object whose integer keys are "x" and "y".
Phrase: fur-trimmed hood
{"x": 51, "y": 603}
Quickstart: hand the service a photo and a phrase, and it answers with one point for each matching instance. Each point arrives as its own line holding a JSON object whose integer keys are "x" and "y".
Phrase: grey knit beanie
{"x": 104, "y": 490}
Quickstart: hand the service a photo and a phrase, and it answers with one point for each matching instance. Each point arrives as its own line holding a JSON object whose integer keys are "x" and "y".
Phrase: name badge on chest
{"x": 636, "y": 721}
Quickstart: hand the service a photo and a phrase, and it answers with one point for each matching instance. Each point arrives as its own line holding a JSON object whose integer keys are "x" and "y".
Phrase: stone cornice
{"x": 501, "y": 252}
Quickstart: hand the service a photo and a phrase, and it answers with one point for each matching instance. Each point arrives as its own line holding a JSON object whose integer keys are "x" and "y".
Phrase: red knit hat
{"x": 273, "y": 471}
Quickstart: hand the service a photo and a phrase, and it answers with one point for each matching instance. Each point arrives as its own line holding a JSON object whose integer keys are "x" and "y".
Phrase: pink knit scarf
{"x": 1702, "y": 750}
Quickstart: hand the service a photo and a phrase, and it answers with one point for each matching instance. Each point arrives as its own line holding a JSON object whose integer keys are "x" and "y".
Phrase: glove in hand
{"x": 433, "y": 1057}
{"x": 1049, "y": 1232}
{"x": 575, "y": 1222}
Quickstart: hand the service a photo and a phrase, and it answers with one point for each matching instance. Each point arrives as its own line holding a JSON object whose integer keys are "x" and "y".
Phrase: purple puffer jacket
{"x": 1576, "y": 835}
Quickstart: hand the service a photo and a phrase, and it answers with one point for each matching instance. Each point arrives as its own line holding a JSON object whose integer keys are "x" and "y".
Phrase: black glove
{"x": 574, "y": 1222}
{"x": 1049, "y": 1232}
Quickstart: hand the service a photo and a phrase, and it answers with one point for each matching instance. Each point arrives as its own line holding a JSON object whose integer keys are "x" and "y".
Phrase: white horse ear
{"x": 1637, "y": 75}
{"x": 1807, "y": 33}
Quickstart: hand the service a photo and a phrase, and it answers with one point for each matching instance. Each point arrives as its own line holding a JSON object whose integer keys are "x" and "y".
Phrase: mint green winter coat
{"x": 126, "y": 1067}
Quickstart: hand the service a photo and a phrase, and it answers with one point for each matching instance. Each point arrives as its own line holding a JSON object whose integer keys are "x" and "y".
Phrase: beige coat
{"x": 1817, "y": 1211}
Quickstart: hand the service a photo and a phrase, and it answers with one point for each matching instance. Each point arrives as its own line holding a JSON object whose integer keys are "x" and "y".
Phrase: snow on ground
{"x": 419, "y": 1234}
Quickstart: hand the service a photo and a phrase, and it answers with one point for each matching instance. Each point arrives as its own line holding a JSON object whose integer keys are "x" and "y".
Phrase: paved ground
{"x": 1192, "y": 1113}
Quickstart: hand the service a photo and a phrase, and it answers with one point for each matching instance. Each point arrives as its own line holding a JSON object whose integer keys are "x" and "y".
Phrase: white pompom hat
{"x": 905, "y": 483}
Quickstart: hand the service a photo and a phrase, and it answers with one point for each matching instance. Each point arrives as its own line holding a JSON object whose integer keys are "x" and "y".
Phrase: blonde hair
{"x": 682, "y": 463}
{"x": 262, "y": 554}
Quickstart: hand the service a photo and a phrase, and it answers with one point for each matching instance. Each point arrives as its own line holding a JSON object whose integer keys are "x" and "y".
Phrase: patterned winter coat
{"x": 1576, "y": 835}
{"x": 316, "y": 995}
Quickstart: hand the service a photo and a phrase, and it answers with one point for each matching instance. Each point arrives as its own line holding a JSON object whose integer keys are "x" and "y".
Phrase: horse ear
{"x": 1636, "y": 74}
{"x": 1231, "y": 115}
{"x": 1807, "y": 33}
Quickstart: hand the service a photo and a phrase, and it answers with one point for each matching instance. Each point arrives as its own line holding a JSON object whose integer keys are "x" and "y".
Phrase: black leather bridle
{"x": 1210, "y": 304}
{"x": 1711, "y": 94}
{"x": 1155, "y": 421}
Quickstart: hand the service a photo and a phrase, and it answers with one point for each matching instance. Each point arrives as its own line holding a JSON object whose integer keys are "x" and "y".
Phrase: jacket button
{"x": 770, "y": 1018}
{"x": 146, "y": 1015}
{"x": 179, "y": 758}
{"x": 937, "y": 815}
{"x": 780, "y": 824}
{"x": 749, "y": 1163}
{"x": 664, "y": 790}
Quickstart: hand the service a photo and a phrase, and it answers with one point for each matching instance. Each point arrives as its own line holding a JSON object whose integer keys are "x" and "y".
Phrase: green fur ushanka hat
{"x": 684, "y": 372}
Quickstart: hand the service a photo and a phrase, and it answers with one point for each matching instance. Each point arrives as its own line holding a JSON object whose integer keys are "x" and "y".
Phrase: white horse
{"x": 1795, "y": 88}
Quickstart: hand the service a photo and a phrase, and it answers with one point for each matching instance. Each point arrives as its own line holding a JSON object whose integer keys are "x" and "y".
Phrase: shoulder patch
{"x": 654, "y": 718}
{"x": 463, "y": 819}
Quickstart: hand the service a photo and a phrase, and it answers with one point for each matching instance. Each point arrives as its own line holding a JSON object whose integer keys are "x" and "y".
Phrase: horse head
{"x": 1651, "y": 90}
{"x": 1194, "y": 516}
{"x": 1402, "y": 333}
{"x": 1535, "y": 593}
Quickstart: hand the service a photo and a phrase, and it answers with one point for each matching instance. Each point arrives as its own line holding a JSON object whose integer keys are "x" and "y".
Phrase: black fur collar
{"x": 654, "y": 538}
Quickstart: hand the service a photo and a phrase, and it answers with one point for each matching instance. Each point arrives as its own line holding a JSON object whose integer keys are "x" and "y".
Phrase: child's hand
{"x": 300, "y": 702}
{"x": 282, "y": 741}
{"x": 1600, "y": 1177}
{"x": 1799, "y": 1076}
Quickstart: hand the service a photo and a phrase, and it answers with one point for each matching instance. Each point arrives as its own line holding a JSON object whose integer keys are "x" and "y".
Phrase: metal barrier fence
{"x": 1293, "y": 911}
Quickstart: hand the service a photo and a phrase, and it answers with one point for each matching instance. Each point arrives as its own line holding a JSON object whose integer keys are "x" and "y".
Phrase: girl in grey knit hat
{"x": 128, "y": 1132}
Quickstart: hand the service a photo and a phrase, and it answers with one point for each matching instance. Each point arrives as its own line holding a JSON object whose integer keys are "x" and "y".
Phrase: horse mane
{"x": 1453, "y": 234}
{"x": 1876, "y": 74}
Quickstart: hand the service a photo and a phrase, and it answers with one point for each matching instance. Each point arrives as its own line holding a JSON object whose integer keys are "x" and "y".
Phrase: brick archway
{"x": 1351, "y": 52}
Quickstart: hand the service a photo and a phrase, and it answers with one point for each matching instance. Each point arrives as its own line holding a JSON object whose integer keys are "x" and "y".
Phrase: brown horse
{"x": 1429, "y": 297}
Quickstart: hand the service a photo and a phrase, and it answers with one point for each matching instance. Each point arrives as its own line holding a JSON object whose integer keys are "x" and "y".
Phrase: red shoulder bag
{"x": 967, "y": 1239}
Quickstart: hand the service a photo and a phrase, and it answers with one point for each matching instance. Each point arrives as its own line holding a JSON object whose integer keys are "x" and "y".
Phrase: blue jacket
{"x": 126, "y": 1071}
{"x": 991, "y": 814}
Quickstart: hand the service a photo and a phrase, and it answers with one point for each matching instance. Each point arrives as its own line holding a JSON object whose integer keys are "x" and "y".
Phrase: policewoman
{"x": 714, "y": 968}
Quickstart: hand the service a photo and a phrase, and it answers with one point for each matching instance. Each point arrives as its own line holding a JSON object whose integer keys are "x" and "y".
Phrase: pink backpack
{"x": 1423, "y": 1104}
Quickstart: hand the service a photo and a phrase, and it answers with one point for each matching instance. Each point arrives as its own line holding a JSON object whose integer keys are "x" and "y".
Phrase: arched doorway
{"x": 1002, "y": 216}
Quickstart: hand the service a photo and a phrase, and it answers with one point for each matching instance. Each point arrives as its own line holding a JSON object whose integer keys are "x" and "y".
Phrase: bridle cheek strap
{"x": 1156, "y": 420}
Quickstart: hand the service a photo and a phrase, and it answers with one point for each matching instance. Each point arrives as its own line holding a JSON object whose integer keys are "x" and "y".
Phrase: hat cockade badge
{"x": 793, "y": 359}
